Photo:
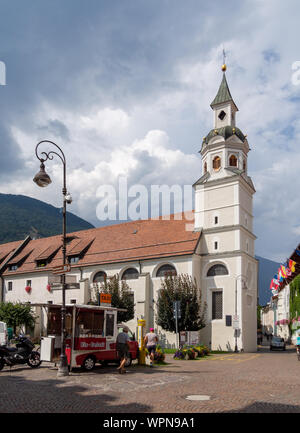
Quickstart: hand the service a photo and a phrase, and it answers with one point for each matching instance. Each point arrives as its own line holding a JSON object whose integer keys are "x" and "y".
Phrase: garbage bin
{"x": 47, "y": 348}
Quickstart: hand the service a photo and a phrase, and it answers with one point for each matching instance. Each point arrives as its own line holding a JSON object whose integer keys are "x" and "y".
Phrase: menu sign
{"x": 105, "y": 298}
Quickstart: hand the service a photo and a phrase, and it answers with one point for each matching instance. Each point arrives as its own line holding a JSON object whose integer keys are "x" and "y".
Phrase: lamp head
{"x": 68, "y": 198}
{"x": 42, "y": 179}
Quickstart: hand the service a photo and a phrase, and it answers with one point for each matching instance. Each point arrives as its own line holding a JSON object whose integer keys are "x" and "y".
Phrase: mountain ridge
{"x": 21, "y": 216}
{"x": 266, "y": 270}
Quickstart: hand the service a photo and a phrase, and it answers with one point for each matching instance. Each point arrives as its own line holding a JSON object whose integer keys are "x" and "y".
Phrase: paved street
{"x": 248, "y": 382}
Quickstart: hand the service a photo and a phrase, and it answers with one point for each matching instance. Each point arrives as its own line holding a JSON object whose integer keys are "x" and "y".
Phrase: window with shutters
{"x": 217, "y": 305}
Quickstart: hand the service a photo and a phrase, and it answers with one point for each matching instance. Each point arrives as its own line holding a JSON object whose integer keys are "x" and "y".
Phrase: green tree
{"x": 16, "y": 315}
{"x": 121, "y": 296}
{"x": 259, "y": 308}
{"x": 294, "y": 301}
{"x": 184, "y": 289}
{"x": 295, "y": 298}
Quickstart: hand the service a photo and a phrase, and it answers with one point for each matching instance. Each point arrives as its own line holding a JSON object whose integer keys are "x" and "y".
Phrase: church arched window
{"x": 99, "y": 277}
{"x": 216, "y": 270}
{"x": 166, "y": 270}
{"x": 205, "y": 167}
{"x": 130, "y": 274}
{"x": 233, "y": 161}
{"x": 244, "y": 164}
{"x": 216, "y": 163}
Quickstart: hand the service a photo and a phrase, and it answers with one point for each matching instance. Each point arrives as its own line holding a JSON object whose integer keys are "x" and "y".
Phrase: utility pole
{"x": 177, "y": 315}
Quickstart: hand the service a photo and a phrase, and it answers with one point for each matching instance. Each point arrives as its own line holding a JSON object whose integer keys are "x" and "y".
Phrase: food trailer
{"x": 91, "y": 333}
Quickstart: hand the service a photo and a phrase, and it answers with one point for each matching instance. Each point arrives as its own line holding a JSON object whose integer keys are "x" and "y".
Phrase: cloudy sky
{"x": 124, "y": 87}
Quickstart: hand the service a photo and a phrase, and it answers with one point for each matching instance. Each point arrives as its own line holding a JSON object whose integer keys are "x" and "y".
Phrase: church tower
{"x": 223, "y": 215}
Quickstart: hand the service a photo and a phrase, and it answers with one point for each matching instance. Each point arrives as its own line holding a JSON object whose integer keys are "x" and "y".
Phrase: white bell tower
{"x": 223, "y": 214}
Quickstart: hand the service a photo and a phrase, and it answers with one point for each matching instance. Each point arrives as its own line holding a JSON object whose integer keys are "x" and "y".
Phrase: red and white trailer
{"x": 91, "y": 333}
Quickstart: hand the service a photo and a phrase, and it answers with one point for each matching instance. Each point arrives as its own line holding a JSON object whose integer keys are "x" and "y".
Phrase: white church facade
{"x": 218, "y": 252}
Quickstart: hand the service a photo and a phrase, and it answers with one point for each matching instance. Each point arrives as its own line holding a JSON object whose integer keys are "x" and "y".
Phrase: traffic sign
{"x": 236, "y": 322}
{"x": 62, "y": 269}
{"x": 176, "y": 310}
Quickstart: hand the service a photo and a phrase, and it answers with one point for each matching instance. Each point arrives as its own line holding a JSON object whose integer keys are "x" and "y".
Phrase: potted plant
{"x": 179, "y": 354}
{"x": 191, "y": 353}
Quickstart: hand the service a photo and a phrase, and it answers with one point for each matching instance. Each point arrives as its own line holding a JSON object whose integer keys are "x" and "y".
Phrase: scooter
{"x": 21, "y": 354}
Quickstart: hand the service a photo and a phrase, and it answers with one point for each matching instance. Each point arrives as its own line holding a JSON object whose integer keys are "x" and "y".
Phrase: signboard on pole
{"x": 105, "y": 298}
{"x": 236, "y": 322}
{"x": 182, "y": 337}
{"x": 177, "y": 315}
{"x": 62, "y": 269}
{"x": 176, "y": 310}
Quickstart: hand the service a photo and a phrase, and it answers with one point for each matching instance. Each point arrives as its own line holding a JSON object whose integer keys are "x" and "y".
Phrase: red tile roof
{"x": 49, "y": 251}
{"x": 77, "y": 248}
{"x": 141, "y": 239}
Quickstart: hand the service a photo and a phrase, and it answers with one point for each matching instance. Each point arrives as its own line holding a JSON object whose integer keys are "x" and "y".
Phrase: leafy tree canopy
{"x": 295, "y": 298}
{"x": 121, "y": 296}
{"x": 184, "y": 289}
{"x": 16, "y": 315}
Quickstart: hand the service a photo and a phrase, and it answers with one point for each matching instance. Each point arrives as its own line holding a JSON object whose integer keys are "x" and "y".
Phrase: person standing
{"x": 122, "y": 346}
{"x": 151, "y": 340}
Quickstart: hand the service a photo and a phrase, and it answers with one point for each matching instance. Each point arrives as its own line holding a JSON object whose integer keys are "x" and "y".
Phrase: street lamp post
{"x": 42, "y": 179}
{"x": 236, "y": 331}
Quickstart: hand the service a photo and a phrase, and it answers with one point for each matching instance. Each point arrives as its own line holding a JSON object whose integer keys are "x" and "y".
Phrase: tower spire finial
{"x": 224, "y": 67}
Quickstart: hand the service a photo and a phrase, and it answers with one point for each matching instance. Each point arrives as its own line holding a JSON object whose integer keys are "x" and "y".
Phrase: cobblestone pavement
{"x": 248, "y": 382}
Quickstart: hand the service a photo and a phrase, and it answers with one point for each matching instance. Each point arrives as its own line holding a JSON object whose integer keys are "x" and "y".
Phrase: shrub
{"x": 179, "y": 354}
{"x": 191, "y": 353}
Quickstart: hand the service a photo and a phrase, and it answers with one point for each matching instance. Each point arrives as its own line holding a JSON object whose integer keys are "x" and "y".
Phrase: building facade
{"x": 218, "y": 251}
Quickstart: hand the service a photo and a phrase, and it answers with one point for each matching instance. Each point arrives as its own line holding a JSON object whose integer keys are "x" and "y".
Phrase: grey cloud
{"x": 9, "y": 154}
{"x": 56, "y": 128}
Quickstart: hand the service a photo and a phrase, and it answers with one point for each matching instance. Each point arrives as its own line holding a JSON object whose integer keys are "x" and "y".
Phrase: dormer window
{"x": 77, "y": 251}
{"x": 13, "y": 267}
{"x": 222, "y": 115}
{"x": 46, "y": 256}
{"x": 74, "y": 259}
{"x": 233, "y": 161}
{"x": 216, "y": 163}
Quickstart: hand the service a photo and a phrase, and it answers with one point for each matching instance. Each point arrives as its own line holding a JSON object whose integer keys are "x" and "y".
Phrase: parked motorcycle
{"x": 21, "y": 354}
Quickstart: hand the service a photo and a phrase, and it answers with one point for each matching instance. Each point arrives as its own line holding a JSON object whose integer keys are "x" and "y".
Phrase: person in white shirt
{"x": 151, "y": 340}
